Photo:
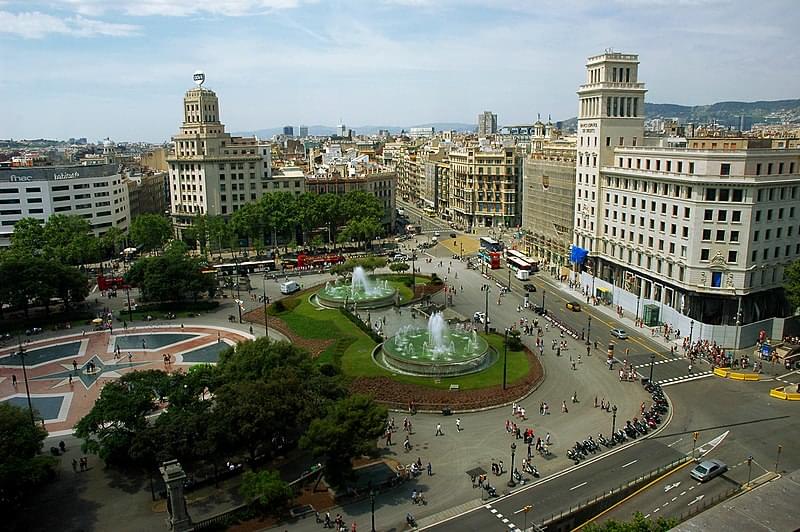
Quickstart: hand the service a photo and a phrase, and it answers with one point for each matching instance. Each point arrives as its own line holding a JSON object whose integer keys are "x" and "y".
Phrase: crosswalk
{"x": 685, "y": 378}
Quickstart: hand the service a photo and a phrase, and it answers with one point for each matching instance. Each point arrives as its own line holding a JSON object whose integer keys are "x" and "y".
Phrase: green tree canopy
{"x": 349, "y": 430}
{"x": 791, "y": 284}
{"x": 21, "y": 466}
{"x": 111, "y": 427}
{"x": 173, "y": 276}
{"x": 638, "y": 524}
{"x": 66, "y": 239}
{"x": 266, "y": 489}
{"x": 151, "y": 231}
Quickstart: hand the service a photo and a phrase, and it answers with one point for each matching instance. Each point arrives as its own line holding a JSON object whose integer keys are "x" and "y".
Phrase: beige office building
{"x": 211, "y": 172}
{"x": 483, "y": 187}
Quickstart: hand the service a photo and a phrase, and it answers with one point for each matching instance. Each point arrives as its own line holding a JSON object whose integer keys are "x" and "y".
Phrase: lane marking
{"x": 674, "y": 499}
{"x": 683, "y": 493}
{"x": 629, "y": 463}
{"x": 520, "y": 510}
{"x": 696, "y": 499}
{"x": 578, "y": 486}
{"x": 676, "y": 441}
{"x": 656, "y": 510}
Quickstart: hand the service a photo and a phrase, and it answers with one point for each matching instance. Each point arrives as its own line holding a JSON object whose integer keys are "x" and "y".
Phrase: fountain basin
{"x": 437, "y": 351}
{"x": 366, "y": 293}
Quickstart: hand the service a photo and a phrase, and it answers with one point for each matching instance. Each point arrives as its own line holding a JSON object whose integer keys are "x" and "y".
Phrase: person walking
{"x": 458, "y": 424}
{"x": 564, "y": 407}
{"x": 430, "y": 469}
{"x": 439, "y": 430}
{"x": 14, "y": 380}
{"x": 74, "y": 465}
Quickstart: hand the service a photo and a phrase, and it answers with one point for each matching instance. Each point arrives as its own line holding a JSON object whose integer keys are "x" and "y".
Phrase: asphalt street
{"x": 559, "y": 493}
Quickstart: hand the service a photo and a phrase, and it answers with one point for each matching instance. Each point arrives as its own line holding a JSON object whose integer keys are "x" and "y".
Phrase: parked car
{"x": 708, "y": 469}
{"x": 453, "y": 235}
{"x": 574, "y": 306}
{"x": 528, "y": 287}
{"x": 619, "y": 333}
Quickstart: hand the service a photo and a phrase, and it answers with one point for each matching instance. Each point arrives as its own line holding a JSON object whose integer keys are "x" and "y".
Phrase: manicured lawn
{"x": 352, "y": 349}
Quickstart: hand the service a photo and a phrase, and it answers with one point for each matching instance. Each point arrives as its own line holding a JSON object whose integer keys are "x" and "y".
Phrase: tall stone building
{"x": 487, "y": 124}
{"x": 697, "y": 236}
{"x": 484, "y": 186}
{"x": 211, "y": 172}
{"x": 548, "y": 210}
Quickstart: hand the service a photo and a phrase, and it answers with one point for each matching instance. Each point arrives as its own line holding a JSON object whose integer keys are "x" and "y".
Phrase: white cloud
{"x": 35, "y": 25}
{"x": 181, "y": 8}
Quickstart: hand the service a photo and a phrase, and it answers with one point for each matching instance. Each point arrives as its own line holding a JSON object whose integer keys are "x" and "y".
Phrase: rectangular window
{"x": 706, "y": 234}
{"x": 691, "y": 167}
{"x": 720, "y": 235}
{"x": 734, "y": 236}
{"x": 711, "y": 194}
{"x": 708, "y": 215}
{"x": 722, "y": 215}
{"x": 725, "y": 169}
{"x": 704, "y": 253}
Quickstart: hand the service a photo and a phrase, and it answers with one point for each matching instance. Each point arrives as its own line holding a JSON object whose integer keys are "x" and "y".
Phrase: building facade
{"x": 548, "y": 210}
{"x": 97, "y": 193}
{"x": 210, "y": 171}
{"x": 484, "y": 187}
{"x": 148, "y": 193}
{"x": 487, "y": 124}
{"x": 701, "y": 232}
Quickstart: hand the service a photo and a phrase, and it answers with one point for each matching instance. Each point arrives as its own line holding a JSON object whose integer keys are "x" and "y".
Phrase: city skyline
{"x": 100, "y": 69}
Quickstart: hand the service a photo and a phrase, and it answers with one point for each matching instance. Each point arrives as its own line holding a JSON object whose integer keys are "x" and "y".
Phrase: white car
{"x": 479, "y": 317}
{"x": 400, "y": 257}
{"x": 619, "y": 333}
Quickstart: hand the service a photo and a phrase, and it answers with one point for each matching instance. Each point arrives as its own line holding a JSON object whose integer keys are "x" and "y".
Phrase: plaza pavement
{"x": 104, "y": 499}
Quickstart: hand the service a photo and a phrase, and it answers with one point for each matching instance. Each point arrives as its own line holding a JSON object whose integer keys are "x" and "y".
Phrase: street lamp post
{"x": 691, "y": 332}
{"x": 130, "y": 310}
{"x": 589, "y": 331}
{"x": 738, "y": 323}
{"x": 613, "y": 420}
{"x": 266, "y": 319}
{"x": 486, "y": 309}
{"x": 652, "y": 362}
{"x": 511, "y": 482}
{"x": 509, "y": 279}
{"x": 372, "y": 501}
{"x": 749, "y": 469}
{"x": 25, "y": 377}
{"x": 505, "y": 356}
{"x": 542, "y": 302}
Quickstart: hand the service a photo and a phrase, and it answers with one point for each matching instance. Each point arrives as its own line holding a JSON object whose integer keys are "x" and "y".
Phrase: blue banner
{"x": 577, "y": 255}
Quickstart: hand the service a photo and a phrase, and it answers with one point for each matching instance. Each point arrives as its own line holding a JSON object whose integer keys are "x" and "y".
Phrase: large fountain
{"x": 437, "y": 350}
{"x": 364, "y": 292}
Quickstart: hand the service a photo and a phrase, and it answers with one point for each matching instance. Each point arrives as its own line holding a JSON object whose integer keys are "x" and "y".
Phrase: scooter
{"x": 531, "y": 469}
{"x": 410, "y": 521}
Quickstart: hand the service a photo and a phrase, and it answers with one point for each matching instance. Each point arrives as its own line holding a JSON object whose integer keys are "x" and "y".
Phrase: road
{"x": 416, "y": 216}
{"x": 559, "y": 492}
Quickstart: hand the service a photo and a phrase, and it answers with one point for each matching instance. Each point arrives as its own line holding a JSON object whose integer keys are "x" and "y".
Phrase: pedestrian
{"x": 74, "y": 365}
{"x": 564, "y": 407}
{"x": 430, "y": 469}
{"x": 130, "y": 357}
{"x": 573, "y": 366}
{"x": 70, "y": 379}
{"x": 690, "y": 368}
{"x": 547, "y": 439}
{"x": 74, "y": 465}
{"x": 595, "y": 401}
{"x": 458, "y": 424}
{"x": 14, "y": 380}
{"x": 439, "y": 430}
{"x": 219, "y": 337}
{"x": 575, "y": 397}
{"x": 353, "y": 528}
{"x": 407, "y": 444}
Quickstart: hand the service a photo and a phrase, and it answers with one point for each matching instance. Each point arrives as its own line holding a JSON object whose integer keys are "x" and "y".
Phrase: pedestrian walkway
{"x": 691, "y": 377}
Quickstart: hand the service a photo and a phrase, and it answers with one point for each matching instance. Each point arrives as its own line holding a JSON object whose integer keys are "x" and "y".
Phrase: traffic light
{"x": 528, "y": 508}
{"x": 695, "y": 435}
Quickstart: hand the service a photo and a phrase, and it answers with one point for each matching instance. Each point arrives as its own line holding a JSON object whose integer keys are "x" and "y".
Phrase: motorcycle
{"x": 531, "y": 469}
{"x": 518, "y": 477}
{"x": 410, "y": 521}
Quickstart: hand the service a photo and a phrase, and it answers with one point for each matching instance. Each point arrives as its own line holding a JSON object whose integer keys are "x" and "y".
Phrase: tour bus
{"x": 490, "y": 244}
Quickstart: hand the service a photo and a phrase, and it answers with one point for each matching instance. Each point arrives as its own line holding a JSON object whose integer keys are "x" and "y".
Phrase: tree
{"x": 111, "y": 242}
{"x": 69, "y": 239}
{"x": 347, "y": 431}
{"x": 638, "y": 524}
{"x": 791, "y": 284}
{"x": 150, "y": 231}
{"x": 308, "y": 215}
{"x": 22, "y": 468}
{"x": 198, "y": 233}
{"x": 218, "y": 232}
{"x": 267, "y": 489}
{"x": 173, "y": 276}
{"x": 363, "y": 229}
{"x": 114, "y": 426}
{"x": 329, "y": 212}
{"x": 399, "y": 266}
{"x": 28, "y": 237}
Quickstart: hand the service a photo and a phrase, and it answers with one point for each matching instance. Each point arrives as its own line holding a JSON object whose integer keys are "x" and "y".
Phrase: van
{"x": 522, "y": 275}
{"x": 290, "y": 287}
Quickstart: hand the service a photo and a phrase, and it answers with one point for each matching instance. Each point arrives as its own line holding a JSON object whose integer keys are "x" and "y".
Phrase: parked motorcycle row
{"x": 633, "y": 428}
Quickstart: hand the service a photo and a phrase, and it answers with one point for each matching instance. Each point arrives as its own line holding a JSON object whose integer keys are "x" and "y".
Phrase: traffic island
{"x": 782, "y": 393}
{"x": 726, "y": 373}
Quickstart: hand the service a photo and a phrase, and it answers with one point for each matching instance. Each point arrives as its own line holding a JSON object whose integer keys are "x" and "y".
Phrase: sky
{"x": 119, "y": 68}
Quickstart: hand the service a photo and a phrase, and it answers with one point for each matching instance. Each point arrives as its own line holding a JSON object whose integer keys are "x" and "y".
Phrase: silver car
{"x": 708, "y": 469}
{"x": 619, "y": 333}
